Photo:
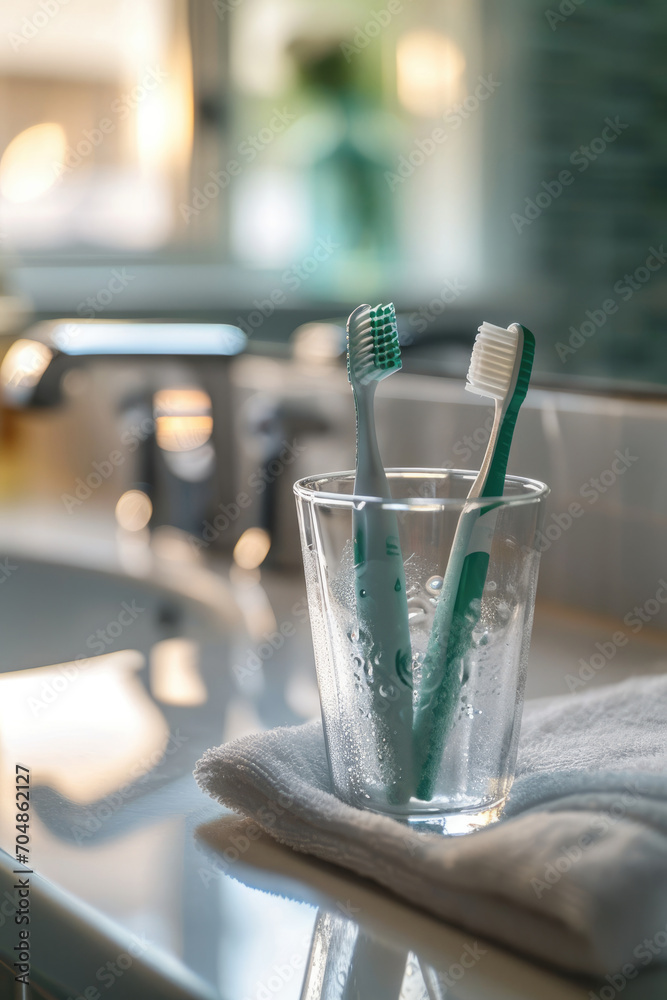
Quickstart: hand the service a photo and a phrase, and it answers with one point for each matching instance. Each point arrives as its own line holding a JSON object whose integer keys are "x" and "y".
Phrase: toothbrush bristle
{"x": 493, "y": 361}
{"x": 373, "y": 351}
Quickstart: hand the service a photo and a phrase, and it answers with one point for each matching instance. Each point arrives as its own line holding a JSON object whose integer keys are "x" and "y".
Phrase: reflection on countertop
{"x": 119, "y": 823}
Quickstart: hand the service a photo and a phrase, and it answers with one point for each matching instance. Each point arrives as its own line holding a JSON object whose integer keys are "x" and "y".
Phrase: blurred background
{"x": 207, "y": 147}
{"x": 194, "y": 194}
{"x": 267, "y": 164}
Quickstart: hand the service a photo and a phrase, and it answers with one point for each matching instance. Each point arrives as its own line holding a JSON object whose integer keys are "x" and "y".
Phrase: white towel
{"x": 575, "y": 874}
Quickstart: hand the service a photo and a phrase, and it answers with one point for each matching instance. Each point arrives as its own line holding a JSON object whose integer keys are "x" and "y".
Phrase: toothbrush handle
{"x": 383, "y": 620}
{"x": 440, "y": 685}
{"x": 371, "y": 479}
{"x": 436, "y": 721}
{"x": 382, "y": 608}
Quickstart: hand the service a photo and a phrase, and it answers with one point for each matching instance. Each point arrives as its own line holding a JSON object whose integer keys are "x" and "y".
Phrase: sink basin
{"x": 52, "y": 612}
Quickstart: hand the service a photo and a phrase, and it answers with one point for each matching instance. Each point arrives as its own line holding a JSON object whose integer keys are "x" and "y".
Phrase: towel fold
{"x": 575, "y": 873}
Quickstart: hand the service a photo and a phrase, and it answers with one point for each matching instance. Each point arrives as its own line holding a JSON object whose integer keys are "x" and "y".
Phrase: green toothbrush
{"x": 500, "y": 367}
{"x": 373, "y": 353}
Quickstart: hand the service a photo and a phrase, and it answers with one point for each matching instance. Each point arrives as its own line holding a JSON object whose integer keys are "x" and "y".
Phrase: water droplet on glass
{"x": 434, "y": 584}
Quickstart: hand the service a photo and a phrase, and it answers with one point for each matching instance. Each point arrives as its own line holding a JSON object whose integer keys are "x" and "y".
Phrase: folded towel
{"x": 575, "y": 873}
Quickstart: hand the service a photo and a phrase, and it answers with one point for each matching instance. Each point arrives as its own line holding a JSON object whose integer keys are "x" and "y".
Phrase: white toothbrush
{"x": 500, "y": 367}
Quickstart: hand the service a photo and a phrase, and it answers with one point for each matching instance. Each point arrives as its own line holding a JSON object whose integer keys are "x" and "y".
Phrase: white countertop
{"x": 147, "y": 859}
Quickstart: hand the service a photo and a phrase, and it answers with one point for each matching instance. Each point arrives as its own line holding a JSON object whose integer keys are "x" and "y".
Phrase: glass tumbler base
{"x": 455, "y": 824}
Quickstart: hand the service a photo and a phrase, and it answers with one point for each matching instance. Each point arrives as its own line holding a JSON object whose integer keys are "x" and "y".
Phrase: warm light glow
{"x": 99, "y": 732}
{"x": 165, "y": 120}
{"x": 318, "y": 343}
{"x": 259, "y": 60}
{"x": 174, "y": 673}
{"x": 153, "y": 133}
{"x": 252, "y": 601}
{"x": 22, "y": 367}
{"x": 134, "y": 510}
{"x": 183, "y": 433}
{"x": 429, "y": 72}
{"x": 183, "y": 418}
{"x": 252, "y": 548}
{"x": 179, "y": 401}
{"x": 31, "y": 163}
{"x": 174, "y": 546}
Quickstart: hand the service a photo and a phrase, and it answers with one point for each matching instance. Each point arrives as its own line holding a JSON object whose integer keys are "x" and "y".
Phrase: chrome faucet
{"x": 185, "y": 459}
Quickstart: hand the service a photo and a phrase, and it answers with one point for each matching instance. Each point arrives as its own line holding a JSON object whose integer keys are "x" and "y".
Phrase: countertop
{"x": 119, "y": 823}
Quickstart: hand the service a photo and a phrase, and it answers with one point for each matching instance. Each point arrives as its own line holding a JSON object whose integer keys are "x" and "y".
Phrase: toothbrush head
{"x": 373, "y": 351}
{"x": 501, "y": 362}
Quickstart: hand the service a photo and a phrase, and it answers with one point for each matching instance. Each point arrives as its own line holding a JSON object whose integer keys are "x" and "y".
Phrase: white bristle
{"x": 360, "y": 342}
{"x": 493, "y": 360}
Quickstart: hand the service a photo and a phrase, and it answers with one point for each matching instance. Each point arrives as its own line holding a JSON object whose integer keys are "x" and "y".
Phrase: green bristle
{"x": 526, "y": 367}
{"x": 373, "y": 351}
{"x": 385, "y": 337}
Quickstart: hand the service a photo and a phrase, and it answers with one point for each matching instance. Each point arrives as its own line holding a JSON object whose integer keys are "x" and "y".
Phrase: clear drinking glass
{"x": 369, "y": 743}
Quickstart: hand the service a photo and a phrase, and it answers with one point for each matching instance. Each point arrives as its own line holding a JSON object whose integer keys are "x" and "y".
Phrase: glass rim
{"x": 304, "y": 489}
